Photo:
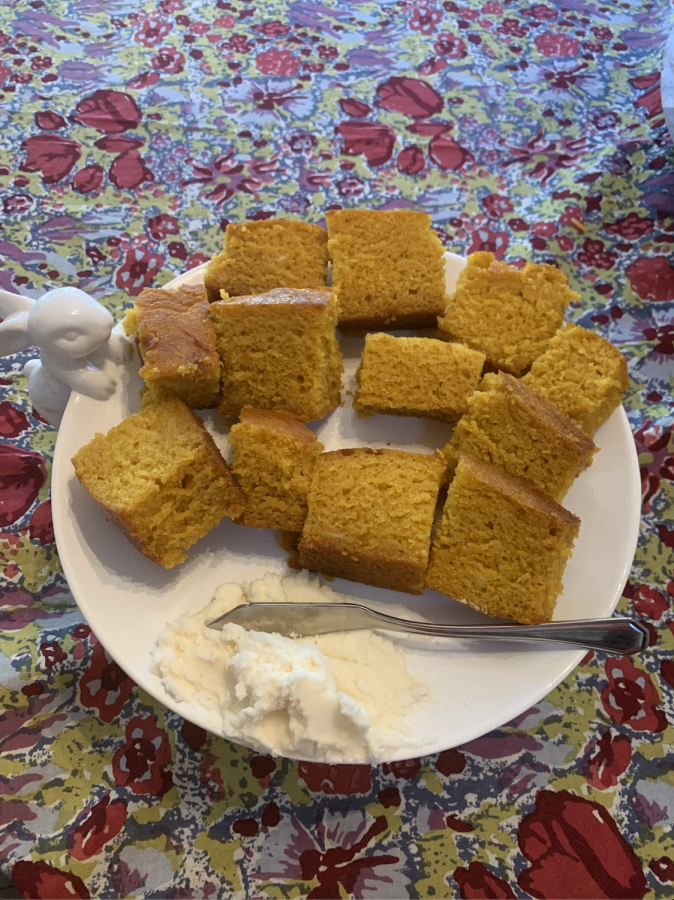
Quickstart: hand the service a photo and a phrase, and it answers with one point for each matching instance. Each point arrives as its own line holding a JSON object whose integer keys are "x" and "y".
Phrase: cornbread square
{"x": 501, "y": 545}
{"x": 279, "y": 351}
{"x": 387, "y": 268}
{"x": 411, "y": 376}
{"x": 582, "y": 375}
{"x": 160, "y": 478}
{"x": 274, "y": 459}
{"x": 370, "y": 517}
{"x": 507, "y": 313}
{"x": 176, "y": 339}
{"x": 511, "y": 426}
{"x": 273, "y": 253}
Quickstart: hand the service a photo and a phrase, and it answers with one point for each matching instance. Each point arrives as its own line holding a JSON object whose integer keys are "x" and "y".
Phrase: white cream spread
{"x": 335, "y": 697}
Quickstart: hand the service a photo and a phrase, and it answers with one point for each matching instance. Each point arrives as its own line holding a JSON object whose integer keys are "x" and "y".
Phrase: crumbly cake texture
{"x": 507, "y": 313}
{"x": 176, "y": 340}
{"x": 582, "y": 375}
{"x": 387, "y": 268}
{"x": 501, "y": 545}
{"x": 160, "y": 478}
{"x": 412, "y": 376}
{"x": 511, "y": 426}
{"x": 273, "y": 253}
{"x": 370, "y": 517}
{"x": 279, "y": 351}
{"x": 274, "y": 459}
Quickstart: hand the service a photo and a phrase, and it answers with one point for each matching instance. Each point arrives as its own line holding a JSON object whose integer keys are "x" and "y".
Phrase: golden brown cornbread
{"x": 261, "y": 256}
{"x": 176, "y": 340}
{"x": 279, "y": 351}
{"x": 501, "y": 545}
{"x": 412, "y": 376}
{"x": 387, "y": 268}
{"x": 507, "y": 313}
{"x": 370, "y": 517}
{"x": 274, "y": 459}
{"x": 511, "y": 426}
{"x": 582, "y": 375}
{"x": 160, "y": 478}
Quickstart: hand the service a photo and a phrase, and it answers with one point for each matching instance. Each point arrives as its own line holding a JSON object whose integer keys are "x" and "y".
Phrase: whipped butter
{"x": 335, "y": 697}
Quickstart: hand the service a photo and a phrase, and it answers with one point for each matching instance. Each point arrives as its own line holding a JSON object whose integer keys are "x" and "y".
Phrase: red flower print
{"x": 630, "y": 227}
{"x": 52, "y": 653}
{"x": 22, "y": 475}
{"x": 17, "y": 204}
{"x": 667, "y": 668}
{"x": 431, "y": 66}
{"x": 409, "y": 96}
{"x": 355, "y": 108}
{"x": 302, "y": 142}
{"x": 152, "y": 31}
{"x": 492, "y": 8}
{"x": 196, "y": 259}
{"x": 12, "y": 420}
{"x": 162, "y": 226}
{"x": 105, "y": 686}
{"x": 169, "y": 6}
{"x": 448, "y": 44}
{"x": 245, "y": 827}
{"x": 630, "y": 697}
{"x": 406, "y": 768}
{"x": 271, "y": 815}
{"x": 411, "y": 160}
{"x": 339, "y": 865}
{"x": 485, "y": 239}
{"x": 424, "y": 19}
{"x": 262, "y": 766}
{"x": 169, "y": 60}
{"x": 118, "y": 144}
{"x": 142, "y": 80}
{"x": 667, "y": 468}
{"x": 40, "y": 63}
{"x": 49, "y": 121}
{"x": 496, "y": 206}
{"x": 553, "y": 44}
{"x": 139, "y": 270}
{"x": 351, "y": 186}
{"x": 327, "y": 53}
{"x": 477, "y": 882}
{"x": 652, "y": 278}
{"x": 430, "y": 129}
{"x": 651, "y": 100}
{"x": 541, "y": 13}
{"x": 277, "y": 62}
{"x": 446, "y": 153}
{"x": 374, "y": 141}
{"x": 605, "y": 118}
{"x": 239, "y": 43}
{"x": 272, "y": 29}
{"x": 50, "y": 154}
{"x": 595, "y": 254}
{"x": 88, "y": 179}
{"x": 40, "y": 881}
{"x": 41, "y": 527}
{"x": 603, "y": 770}
{"x": 653, "y": 437}
{"x": 450, "y": 762}
{"x": 389, "y": 797}
{"x": 649, "y": 602}
{"x": 111, "y": 112}
{"x": 663, "y": 869}
{"x": 94, "y": 827}
{"x": 576, "y": 852}
{"x": 193, "y": 735}
{"x": 336, "y": 779}
{"x": 141, "y": 763}
{"x": 513, "y": 28}
{"x": 128, "y": 171}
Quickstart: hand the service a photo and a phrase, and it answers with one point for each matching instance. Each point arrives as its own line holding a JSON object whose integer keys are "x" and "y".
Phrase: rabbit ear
{"x": 14, "y": 335}
{"x": 14, "y": 303}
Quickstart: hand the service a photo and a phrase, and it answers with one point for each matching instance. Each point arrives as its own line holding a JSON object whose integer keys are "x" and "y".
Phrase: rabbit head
{"x": 69, "y": 324}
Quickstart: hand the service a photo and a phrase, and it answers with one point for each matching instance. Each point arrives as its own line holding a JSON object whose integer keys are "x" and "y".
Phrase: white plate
{"x": 477, "y": 686}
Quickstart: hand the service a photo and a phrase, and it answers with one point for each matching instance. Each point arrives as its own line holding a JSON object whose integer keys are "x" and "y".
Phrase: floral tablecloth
{"x": 132, "y": 132}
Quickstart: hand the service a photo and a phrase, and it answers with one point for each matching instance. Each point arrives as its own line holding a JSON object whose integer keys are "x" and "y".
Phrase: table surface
{"x": 131, "y": 134}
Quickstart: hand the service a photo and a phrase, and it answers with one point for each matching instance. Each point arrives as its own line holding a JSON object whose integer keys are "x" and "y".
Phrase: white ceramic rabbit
{"x": 67, "y": 326}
